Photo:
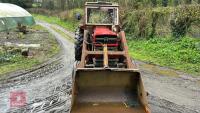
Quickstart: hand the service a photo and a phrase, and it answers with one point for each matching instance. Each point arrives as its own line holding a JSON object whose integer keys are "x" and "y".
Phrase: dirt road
{"x": 170, "y": 91}
{"x": 48, "y": 87}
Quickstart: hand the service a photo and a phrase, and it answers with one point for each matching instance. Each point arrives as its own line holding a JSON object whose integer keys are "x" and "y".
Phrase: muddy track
{"x": 170, "y": 91}
{"x": 48, "y": 87}
{"x": 54, "y": 103}
{"x": 32, "y": 74}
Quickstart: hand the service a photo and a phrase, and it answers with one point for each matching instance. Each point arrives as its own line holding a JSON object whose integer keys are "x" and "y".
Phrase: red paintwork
{"x": 104, "y": 31}
{"x": 109, "y": 45}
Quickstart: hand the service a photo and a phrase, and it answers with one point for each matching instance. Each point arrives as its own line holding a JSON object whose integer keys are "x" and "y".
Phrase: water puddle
{"x": 159, "y": 70}
{"x": 198, "y": 81}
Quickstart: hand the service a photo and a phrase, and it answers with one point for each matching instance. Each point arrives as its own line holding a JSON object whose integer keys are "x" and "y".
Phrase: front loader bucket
{"x": 108, "y": 91}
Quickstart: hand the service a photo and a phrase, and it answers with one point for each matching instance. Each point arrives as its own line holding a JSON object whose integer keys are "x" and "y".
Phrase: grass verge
{"x": 183, "y": 54}
{"x": 63, "y": 34}
{"x": 70, "y": 25}
{"x": 38, "y": 28}
{"x": 16, "y": 62}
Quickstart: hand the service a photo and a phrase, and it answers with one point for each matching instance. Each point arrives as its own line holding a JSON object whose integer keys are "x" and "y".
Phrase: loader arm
{"x": 106, "y": 80}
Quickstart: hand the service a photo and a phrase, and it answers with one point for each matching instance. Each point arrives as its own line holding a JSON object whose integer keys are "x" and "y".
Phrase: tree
{"x": 176, "y": 2}
{"x": 63, "y": 2}
{"x": 164, "y": 3}
{"x": 154, "y": 3}
{"x": 188, "y": 1}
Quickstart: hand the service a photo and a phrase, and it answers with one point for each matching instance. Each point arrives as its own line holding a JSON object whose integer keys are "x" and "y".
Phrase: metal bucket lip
{"x": 107, "y": 69}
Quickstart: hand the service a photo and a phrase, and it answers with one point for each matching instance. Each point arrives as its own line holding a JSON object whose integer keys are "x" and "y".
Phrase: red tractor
{"x": 105, "y": 80}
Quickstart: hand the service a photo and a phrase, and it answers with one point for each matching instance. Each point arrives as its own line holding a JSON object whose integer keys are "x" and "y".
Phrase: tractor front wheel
{"x": 78, "y": 44}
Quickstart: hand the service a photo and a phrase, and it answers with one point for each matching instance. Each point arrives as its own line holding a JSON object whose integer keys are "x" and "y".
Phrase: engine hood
{"x": 99, "y": 31}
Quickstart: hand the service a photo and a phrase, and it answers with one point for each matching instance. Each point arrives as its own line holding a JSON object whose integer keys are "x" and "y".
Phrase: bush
{"x": 70, "y": 14}
{"x": 154, "y": 3}
{"x": 182, "y": 19}
{"x": 188, "y": 1}
{"x": 161, "y": 21}
{"x": 164, "y": 3}
{"x": 144, "y": 23}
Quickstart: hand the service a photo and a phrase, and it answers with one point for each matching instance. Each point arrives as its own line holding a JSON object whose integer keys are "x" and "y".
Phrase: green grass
{"x": 70, "y": 25}
{"x": 54, "y": 47}
{"x": 16, "y": 62}
{"x": 36, "y": 5}
{"x": 65, "y": 35}
{"x": 183, "y": 54}
{"x": 38, "y": 27}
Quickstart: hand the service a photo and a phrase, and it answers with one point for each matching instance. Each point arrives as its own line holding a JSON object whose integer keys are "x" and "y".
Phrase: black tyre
{"x": 78, "y": 44}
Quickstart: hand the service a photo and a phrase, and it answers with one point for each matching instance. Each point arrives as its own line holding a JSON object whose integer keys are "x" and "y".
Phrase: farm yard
{"x": 163, "y": 37}
{"x": 23, "y": 51}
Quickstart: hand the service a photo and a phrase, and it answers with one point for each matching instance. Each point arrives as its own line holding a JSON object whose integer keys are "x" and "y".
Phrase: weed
{"x": 182, "y": 54}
